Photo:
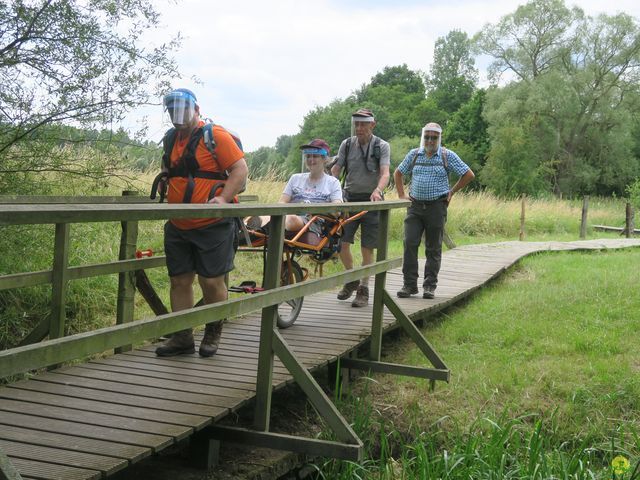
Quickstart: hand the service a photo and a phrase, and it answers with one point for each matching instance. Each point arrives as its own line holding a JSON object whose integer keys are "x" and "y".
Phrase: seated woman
{"x": 316, "y": 186}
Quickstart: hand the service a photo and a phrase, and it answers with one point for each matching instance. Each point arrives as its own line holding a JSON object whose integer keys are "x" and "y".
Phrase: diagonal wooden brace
{"x": 415, "y": 334}
{"x": 291, "y": 443}
{"x": 314, "y": 392}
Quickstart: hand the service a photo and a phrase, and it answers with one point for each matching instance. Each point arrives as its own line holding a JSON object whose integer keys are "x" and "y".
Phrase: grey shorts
{"x": 208, "y": 251}
{"x": 368, "y": 232}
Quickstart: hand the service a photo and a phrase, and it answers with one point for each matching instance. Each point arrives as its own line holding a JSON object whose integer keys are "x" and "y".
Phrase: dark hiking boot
{"x": 429, "y": 293}
{"x": 362, "y": 297}
{"x": 211, "y": 339}
{"x": 180, "y": 343}
{"x": 348, "y": 289}
{"x": 407, "y": 290}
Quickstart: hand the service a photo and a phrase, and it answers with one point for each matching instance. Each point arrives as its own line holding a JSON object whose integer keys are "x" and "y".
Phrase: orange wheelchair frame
{"x": 319, "y": 247}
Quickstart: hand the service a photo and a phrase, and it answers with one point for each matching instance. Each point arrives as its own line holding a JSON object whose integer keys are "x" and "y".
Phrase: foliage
{"x": 634, "y": 193}
{"x": 267, "y": 162}
{"x": 64, "y": 62}
{"x": 453, "y": 75}
{"x": 466, "y": 133}
{"x": 544, "y": 382}
{"x": 566, "y": 125}
{"x": 530, "y": 41}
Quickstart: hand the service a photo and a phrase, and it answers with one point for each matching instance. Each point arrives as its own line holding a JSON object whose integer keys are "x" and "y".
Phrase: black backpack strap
{"x": 347, "y": 147}
{"x": 168, "y": 141}
{"x": 443, "y": 155}
{"x": 413, "y": 161}
{"x": 376, "y": 150}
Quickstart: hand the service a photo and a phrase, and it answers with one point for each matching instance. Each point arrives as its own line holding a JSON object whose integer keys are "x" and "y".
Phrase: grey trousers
{"x": 429, "y": 217}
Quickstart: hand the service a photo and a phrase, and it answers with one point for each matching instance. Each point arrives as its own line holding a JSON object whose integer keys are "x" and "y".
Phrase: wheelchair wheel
{"x": 288, "y": 311}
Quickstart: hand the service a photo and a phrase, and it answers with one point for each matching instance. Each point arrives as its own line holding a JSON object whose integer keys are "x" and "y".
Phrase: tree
{"x": 530, "y": 41}
{"x": 395, "y": 96}
{"x": 77, "y": 63}
{"x": 453, "y": 75}
{"x": 466, "y": 132}
{"x": 573, "y": 101}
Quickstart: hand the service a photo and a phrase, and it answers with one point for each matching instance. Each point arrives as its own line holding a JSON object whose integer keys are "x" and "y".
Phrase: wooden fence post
{"x": 583, "y": 222}
{"x": 522, "y": 207}
{"x": 629, "y": 223}
{"x": 126, "y": 280}
{"x": 59, "y": 280}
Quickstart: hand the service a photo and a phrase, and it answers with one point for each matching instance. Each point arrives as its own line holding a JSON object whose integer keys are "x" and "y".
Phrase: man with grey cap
{"x": 429, "y": 167}
{"x": 365, "y": 159}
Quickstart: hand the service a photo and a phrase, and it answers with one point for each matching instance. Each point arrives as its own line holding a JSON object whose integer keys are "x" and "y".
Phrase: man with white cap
{"x": 366, "y": 159}
{"x": 429, "y": 167}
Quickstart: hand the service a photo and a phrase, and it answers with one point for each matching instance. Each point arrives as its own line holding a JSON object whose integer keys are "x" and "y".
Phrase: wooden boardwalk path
{"x": 91, "y": 420}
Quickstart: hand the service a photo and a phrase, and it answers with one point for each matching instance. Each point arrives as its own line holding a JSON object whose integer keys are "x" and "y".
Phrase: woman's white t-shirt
{"x": 301, "y": 189}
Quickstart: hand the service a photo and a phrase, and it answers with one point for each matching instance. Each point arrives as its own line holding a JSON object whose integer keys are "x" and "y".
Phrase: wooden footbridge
{"x": 93, "y": 419}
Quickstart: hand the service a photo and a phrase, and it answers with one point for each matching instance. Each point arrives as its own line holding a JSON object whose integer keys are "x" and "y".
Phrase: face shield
{"x": 358, "y": 123}
{"x": 431, "y": 137}
{"x": 181, "y": 106}
{"x": 312, "y": 156}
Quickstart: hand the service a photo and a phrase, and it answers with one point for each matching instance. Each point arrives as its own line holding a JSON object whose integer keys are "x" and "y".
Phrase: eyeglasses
{"x": 431, "y": 138}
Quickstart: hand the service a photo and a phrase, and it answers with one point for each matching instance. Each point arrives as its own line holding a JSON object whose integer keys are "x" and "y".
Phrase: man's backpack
{"x": 205, "y": 132}
{"x": 443, "y": 154}
{"x": 376, "y": 153}
{"x": 188, "y": 166}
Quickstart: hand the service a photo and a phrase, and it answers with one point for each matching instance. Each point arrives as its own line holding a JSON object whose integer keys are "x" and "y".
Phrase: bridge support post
{"x": 268, "y": 326}
{"x": 375, "y": 349}
{"x": 204, "y": 451}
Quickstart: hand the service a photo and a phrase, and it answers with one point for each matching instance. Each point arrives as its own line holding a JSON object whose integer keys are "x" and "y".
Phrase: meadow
{"x": 545, "y": 366}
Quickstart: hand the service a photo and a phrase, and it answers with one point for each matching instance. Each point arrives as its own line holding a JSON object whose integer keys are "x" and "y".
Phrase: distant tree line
{"x": 561, "y": 114}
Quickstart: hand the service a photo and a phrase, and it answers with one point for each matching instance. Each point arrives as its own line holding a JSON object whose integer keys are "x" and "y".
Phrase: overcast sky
{"x": 264, "y": 64}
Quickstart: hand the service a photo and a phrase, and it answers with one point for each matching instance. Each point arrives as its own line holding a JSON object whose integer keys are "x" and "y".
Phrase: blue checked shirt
{"x": 429, "y": 179}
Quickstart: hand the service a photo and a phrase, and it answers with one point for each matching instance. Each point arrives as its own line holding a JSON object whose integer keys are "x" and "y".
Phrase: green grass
{"x": 545, "y": 366}
{"x": 545, "y": 380}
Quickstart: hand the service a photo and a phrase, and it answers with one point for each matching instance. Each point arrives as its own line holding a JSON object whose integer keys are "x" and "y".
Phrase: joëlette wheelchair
{"x": 319, "y": 239}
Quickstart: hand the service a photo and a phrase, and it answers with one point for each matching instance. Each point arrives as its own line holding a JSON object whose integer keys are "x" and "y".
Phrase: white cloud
{"x": 264, "y": 65}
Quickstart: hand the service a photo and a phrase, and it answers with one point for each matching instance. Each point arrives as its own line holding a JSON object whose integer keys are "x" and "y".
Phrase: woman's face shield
{"x": 181, "y": 108}
{"x": 431, "y": 138}
{"x": 314, "y": 156}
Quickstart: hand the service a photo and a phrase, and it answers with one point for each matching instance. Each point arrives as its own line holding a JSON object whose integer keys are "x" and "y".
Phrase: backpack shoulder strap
{"x": 190, "y": 152}
{"x": 376, "y": 150}
{"x": 168, "y": 141}
{"x": 443, "y": 154}
{"x": 347, "y": 147}
{"x": 414, "y": 160}
{"x": 208, "y": 137}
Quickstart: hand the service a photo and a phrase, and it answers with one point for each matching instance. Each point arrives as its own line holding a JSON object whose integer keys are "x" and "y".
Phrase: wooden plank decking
{"x": 91, "y": 420}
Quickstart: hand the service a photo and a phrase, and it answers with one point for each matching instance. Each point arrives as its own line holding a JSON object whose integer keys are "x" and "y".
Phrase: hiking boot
{"x": 348, "y": 289}
{"x": 211, "y": 339}
{"x": 180, "y": 343}
{"x": 362, "y": 297}
{"x": 407, "y": 290}
{"x": 429, "y": 292}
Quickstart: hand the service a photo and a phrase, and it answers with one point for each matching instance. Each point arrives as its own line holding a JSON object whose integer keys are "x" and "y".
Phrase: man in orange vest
{"x": 198, "y": 173}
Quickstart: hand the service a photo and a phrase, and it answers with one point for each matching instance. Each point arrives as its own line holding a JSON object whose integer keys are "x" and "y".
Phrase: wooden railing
{"x": 58, "y": 348}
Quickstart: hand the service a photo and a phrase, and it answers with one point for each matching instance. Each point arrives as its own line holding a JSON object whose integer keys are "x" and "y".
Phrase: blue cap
{"x": 179, "y": 93}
